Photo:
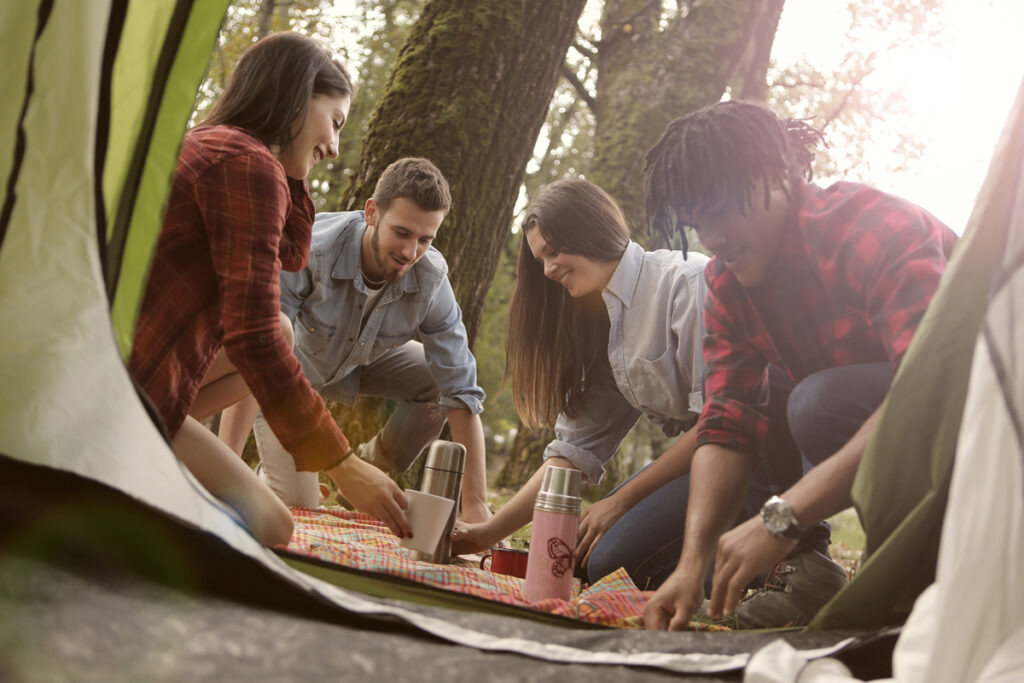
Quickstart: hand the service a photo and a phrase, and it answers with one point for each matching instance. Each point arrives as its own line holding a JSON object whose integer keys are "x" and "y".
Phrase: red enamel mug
{"x": 510, "y": 561}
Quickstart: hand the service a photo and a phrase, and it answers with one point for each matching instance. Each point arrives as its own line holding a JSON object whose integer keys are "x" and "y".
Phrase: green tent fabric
{"x": 152, "y": 94}
{"x": 901, "y": 487}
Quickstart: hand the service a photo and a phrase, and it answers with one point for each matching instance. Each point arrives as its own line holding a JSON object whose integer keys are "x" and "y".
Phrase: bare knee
{"x": 275, "y": 526}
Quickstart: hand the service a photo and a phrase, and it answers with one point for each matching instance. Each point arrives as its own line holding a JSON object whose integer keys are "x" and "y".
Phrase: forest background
{"x": 506, "y": 95}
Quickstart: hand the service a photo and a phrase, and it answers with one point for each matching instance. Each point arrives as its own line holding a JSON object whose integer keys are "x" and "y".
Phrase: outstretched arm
{"x": 718, "y": 481}
{"x": 749, "y": 549}
{"x": 468, "y": 430}
{"x": 515, "y": 514}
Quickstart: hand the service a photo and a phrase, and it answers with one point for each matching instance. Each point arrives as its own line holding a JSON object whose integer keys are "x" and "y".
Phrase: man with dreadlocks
{"x": 828, "y": 285}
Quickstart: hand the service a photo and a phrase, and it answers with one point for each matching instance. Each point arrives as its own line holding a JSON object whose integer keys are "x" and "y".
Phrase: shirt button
{"x": 362, "y": 343}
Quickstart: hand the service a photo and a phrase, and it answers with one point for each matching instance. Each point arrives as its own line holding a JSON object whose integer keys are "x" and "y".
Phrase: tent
{"x": 114, "y": 562}
{"x": 967, "y": 624}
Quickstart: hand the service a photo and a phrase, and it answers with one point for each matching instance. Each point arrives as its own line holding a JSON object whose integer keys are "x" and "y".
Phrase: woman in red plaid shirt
{"x": 210, "y": 329}
{"x": 828, "y": 284}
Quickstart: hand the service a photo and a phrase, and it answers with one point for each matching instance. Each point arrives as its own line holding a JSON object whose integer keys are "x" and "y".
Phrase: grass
{"x": 848, "y": 540}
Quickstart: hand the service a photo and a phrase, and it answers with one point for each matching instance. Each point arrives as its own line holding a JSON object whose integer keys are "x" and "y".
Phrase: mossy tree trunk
{"x": 653, "y": 68}
{"x": 470, "y": 91}
{"x": 524, "y": 457}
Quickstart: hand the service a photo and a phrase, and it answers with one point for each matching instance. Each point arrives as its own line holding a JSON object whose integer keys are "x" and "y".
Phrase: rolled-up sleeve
{"x": 591, "y": 439}
{"x": 449, "y": 360}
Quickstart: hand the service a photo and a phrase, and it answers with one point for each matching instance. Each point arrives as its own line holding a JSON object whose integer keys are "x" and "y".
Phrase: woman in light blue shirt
{"x": 600, "y": 332}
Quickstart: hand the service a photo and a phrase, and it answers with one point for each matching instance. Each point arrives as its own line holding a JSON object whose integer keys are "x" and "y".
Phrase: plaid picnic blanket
{"x": 357, "y": 540}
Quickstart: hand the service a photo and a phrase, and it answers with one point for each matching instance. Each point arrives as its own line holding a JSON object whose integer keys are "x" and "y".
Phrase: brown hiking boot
{"x": 793, "y": 593}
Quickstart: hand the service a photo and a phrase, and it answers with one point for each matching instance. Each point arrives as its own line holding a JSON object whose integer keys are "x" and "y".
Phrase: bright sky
{"x": 961, "y": 92}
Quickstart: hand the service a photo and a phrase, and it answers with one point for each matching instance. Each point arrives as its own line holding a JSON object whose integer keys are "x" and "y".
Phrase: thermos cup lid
{"x": 446, "y": 455}
{"x": 560, "y": 490}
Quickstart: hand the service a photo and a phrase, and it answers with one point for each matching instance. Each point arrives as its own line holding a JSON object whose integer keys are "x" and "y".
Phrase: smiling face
{"x": 397, "y": 238}
{"x": 748, "y": 244}
{"x": 579, "y": 274}
{"x": 317, "y": 136}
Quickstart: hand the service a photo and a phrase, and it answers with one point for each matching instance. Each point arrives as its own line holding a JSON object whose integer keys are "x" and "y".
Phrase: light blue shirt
{"x": 326, "y": 299}
{"x": 655, "y": 303}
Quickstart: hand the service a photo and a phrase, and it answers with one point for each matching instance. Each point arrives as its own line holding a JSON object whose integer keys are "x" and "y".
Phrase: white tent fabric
{"x": 968, "y": 626}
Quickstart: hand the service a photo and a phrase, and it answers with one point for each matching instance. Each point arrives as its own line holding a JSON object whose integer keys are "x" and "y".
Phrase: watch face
{"x": 775, "y": 518}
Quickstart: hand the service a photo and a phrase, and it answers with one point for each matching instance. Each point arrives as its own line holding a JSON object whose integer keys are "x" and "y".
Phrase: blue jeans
{"x": 808, "y": 424}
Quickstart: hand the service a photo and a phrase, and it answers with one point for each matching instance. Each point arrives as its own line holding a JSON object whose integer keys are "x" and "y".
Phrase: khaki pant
{"x": 401, "y": 375}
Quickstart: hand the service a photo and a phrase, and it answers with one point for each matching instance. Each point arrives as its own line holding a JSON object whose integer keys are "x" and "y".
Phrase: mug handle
{"x": 484, "y": 559}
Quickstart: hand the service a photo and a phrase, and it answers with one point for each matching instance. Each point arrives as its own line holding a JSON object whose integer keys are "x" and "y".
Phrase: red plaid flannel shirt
{"x": 233, "y": 221}
{"x": 855, "y": 273}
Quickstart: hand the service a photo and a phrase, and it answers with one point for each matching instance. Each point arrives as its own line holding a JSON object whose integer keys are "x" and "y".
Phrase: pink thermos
{"x": 556, "y": 516}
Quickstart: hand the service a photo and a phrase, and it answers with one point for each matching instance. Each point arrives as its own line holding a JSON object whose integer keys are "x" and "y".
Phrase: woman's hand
{"x": 469, "y": 539}
{"x": 373, "y": 492}
{"x": 595, "y": 523}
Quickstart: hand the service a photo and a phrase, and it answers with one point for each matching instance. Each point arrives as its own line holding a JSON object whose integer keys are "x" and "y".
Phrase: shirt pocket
{"x": 654, "y": 383}
{"x": 313, "y": 339}
{"x": 388, "y": 342}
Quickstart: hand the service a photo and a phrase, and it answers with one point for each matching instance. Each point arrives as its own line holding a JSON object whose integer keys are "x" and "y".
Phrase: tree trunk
{"x": 470, "y": 91}
{"x": 265, "y": 18}
{"x": 524, "y": 458}
{"x": 651, "y": 72}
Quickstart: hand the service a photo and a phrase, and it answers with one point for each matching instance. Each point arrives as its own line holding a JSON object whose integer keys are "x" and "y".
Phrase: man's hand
{"x": 595, "y": 523}
{"x": 472, "y": 538}
{"x": 743, "y": 553}
{"x": 675, "y": 601}
{"x": 373, "y": 492}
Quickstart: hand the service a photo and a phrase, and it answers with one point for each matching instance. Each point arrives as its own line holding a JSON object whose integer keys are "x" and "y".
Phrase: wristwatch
{"x": 779, "y": 519}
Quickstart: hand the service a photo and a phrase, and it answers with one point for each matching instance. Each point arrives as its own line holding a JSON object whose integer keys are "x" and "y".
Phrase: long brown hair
{"x": 555, "y": 344}
{"x": 273, "y": 83}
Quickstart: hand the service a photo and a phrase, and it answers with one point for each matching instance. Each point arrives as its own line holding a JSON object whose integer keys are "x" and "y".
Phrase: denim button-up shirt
{"x": 325, "y": 301}
{"x": 655, "y": 301}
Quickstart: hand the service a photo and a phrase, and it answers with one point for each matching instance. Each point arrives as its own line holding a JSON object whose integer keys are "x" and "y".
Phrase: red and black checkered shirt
{"x": 233, "y": 221}
{"x": 855, "y": 273}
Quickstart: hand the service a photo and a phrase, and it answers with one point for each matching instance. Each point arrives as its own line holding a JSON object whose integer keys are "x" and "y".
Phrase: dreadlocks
{"x": 721, "y": 152}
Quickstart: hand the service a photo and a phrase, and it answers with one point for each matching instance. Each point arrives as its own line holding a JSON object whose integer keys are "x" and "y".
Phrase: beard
{"x": 391, "y": 275}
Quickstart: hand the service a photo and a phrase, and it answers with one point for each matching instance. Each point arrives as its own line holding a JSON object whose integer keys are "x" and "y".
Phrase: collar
{"x": 349, "y": 265}
{"x": 627, "y": 274}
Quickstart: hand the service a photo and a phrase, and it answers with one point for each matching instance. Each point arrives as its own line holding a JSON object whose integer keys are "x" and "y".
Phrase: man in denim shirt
{"x": 373, "y": 285}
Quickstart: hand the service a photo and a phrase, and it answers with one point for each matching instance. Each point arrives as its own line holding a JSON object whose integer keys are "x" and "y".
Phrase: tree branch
{"x": 846, "y": 99}
{"x": 578, "y": 86}
{"x": 586, "y": 50}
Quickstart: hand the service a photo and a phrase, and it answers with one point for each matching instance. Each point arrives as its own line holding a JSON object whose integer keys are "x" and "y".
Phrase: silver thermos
{"x": 442, "y": 476}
